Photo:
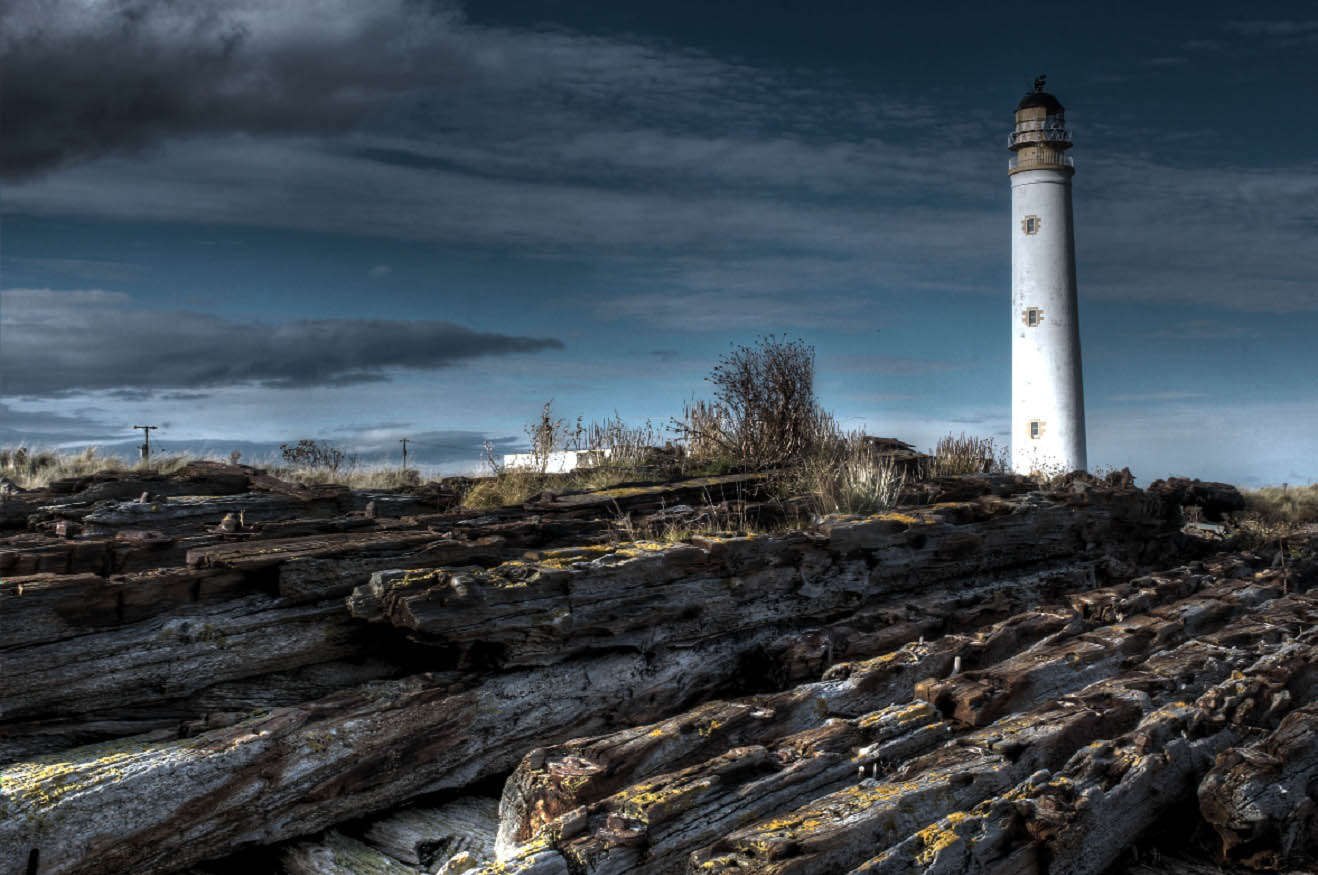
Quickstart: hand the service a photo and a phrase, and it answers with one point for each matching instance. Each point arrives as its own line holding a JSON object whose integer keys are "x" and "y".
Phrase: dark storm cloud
{"x": 380, "y": 443}
{"x": 83, "y": 80}
{"x": 426, "y": 449}
{"x": 118, "y": 76}
{"x": 720, "y": 196}
{"x": 38, "y": 427}
{"x": 54, "y": 343}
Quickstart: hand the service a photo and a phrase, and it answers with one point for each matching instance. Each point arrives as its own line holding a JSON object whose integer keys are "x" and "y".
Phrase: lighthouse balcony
{"x": 1032, "y": 161}
{"x": 1026, "y": 133}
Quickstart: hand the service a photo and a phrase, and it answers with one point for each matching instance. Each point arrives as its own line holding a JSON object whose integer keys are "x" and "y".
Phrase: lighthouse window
{"x": 1036, "y": 428}
{"x": 1032, "y": 317}
{"x": 1030, "y": 224}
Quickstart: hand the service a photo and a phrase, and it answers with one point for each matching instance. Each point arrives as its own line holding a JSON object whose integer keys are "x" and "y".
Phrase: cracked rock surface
{"x": 240, "y": 675}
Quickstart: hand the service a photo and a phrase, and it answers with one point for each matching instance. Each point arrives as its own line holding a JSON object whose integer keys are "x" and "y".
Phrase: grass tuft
{"x": 37, "y": 469}
{"x": 847, "y": 474}
{"x": 968, "y": 454}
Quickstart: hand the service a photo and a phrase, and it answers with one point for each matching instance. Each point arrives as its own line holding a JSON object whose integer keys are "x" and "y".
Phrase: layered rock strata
{"x": 192, "y": 676}
{"x": 965, "y": 774}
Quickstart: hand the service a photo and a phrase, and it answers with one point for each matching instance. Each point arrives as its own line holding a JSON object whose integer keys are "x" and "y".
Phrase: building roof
{"x": 1041, "y": 98}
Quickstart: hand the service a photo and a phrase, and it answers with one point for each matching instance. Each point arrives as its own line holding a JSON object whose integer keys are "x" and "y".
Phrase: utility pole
{"x": 146, "y": 435}
{"x": 403, "y": 441}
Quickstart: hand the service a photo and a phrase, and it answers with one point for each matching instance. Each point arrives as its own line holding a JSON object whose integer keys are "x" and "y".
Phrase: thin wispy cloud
{"x": 1283, "y": 31}
{"x": 98, "y": 270}
{"x": 1202, "y": 329}
{"x": 887, "y": 364}
{"x": 1157, "y": 396}
{"x": 57, "y": 343}
{"x": 39, "y": 426}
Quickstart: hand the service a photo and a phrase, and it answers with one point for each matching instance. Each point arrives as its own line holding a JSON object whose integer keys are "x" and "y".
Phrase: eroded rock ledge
{"x": 180, "y": 687}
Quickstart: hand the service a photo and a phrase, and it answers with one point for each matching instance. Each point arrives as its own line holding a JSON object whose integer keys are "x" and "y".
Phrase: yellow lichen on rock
{"x": 709, "y": 728}
{"x": 41, "y": 783}
{"x": 938, "y": 836}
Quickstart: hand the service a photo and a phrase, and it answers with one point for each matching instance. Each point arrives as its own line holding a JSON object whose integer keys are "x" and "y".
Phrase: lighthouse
{"x": 1047, "y": 391}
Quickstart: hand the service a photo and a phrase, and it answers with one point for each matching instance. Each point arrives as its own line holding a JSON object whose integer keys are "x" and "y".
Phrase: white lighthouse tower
{"x": 1047, "y": 392}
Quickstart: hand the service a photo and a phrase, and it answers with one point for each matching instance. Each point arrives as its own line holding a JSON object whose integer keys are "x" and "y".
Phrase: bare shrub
{"x": 317, "y": 456}
{"x": 764, "y": 411}
{"x": 701, "y": 428}
{"x": 547, "y": 435}
{"x": 620, "y": 445}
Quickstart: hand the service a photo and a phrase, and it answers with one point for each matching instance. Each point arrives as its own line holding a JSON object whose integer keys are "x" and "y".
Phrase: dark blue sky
{"x": 261, "y": 221}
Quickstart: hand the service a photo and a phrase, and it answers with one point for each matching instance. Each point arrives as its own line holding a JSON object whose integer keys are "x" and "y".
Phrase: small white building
{"x": 1047, "y": 389}
{"x": 557, "y": 462}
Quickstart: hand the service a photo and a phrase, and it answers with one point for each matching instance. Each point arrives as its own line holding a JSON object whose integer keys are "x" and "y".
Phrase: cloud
{"x": 879, "y": 397}
{"x": 379, "y": 271}
{"x": 1157, "y": 396}
{"x": 428, "y": 447}
{"x": 1289, "y": 32}
{"x": 434, "y": 452}
{"x": 88, "y": 79}
{"x": 1202, "y": 329}
{"x": 44, "y": 427}
{"x": 711, "y": 194}
{"x": 888, "y": 364}
{"x": 55, "y": 343}
{"x": 96, "y": 270}
{"x": 85, "y": 80}
{"x": 1249, "y": 444}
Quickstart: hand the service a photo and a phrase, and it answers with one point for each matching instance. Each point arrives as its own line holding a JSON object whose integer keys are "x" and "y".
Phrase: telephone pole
{"x": 403, "y": 441}
{"x": 146, "y": 435}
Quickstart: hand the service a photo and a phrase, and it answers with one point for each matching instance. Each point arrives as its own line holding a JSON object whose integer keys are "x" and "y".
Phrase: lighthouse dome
{"x": 1051, "y": 104}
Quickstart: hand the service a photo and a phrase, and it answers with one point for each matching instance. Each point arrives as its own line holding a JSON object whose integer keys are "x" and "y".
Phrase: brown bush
{"x": 764, "y": 411}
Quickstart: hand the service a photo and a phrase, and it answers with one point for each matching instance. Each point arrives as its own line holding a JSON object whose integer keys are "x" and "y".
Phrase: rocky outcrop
{"x": 301, "y": 675}
{"x": 716, "y": 786}
{"x": 1261, "y": 797}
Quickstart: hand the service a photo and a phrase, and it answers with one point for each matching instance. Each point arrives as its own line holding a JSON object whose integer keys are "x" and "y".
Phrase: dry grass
{"x": 631, "y": 458}
{"x": 1293, "y": 505}
{"x": 507, "y": 488}
{"x": 360, "y": 477}
{"x": 847, "y": 475}
{"x": 725, "y": 519}
{"x": 37, "y": 469}
{"x": 968, "y": 454}
{"x": 1275, "y": 515}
